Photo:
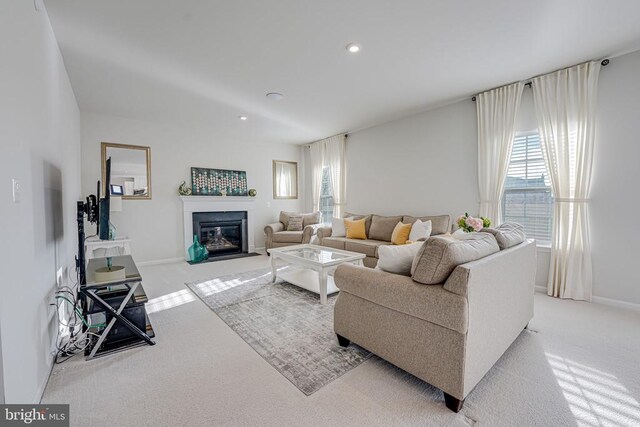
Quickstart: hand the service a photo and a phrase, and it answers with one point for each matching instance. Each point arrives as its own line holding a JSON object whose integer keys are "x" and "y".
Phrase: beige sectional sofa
{"x": 450, "y": 333}
{"x": 378, "y": 229}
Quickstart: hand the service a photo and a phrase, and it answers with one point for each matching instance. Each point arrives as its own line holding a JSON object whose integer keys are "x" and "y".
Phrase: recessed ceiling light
{"x": 242, "y": 117}
{"x": 353, "y": 48}
{"x": 275, "y": 96}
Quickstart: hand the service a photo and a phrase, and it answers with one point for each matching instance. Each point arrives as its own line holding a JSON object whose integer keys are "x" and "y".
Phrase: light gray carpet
{"x": 284, "y": 324}
{"x": 580, "y": 369}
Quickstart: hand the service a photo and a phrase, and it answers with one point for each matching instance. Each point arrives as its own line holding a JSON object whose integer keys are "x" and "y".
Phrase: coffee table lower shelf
{"x": 307, "y": 279}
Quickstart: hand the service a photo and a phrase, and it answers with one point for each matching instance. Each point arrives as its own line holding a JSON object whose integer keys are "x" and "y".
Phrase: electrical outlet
{"x": 17, "y": 190}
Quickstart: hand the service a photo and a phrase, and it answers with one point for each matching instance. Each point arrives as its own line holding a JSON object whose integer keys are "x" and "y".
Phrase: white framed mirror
{"x": 285, "y": 179}
{"x": 130, "y": 168}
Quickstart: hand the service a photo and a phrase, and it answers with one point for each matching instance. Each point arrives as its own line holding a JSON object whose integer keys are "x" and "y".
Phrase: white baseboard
{"x": 601, "y": 300}
{"x": 161, "y": 261}
{"x": 42, "y": 387}
{"x": 173, "y": 260}
{"x": 616, "y": 303}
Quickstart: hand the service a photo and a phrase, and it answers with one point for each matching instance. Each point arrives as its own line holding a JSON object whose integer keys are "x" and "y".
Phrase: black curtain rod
{"x": 604, "y": 63}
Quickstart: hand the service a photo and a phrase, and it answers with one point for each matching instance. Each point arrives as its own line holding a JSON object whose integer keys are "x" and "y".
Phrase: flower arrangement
{"x": 469, "y": 224}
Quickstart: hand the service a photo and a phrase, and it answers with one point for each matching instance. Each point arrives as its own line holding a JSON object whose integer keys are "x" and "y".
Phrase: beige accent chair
{"x": 278, "y": 236}
{"x": 447, "y": 334}
{"x": 378, "y": 229}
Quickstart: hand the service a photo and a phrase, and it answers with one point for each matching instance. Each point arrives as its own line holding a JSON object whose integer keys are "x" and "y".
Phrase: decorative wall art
{"x": 218, "y": 182}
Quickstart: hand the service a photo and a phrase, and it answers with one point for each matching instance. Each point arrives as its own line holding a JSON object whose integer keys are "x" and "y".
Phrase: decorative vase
{"x": 252, "y": 192}
{"x": 183, "y": 190}
{"x": 197, "y": 252}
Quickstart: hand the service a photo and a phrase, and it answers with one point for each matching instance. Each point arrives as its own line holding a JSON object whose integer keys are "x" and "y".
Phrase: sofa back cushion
{"x": 307, "y": 218}
{"x": 367, "y": 220}
{"x": 507, "y": 234}
{"x": 440, "y": 255}
{"x": 311, "y": 218}
{"x": 440, "y": 224}
{"x": 382, "y": 227}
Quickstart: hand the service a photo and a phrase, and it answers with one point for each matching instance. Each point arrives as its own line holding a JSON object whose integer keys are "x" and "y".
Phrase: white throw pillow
{"x": 420, "y": 230}
{"x": 337, "y": 227}
{"x": 397, "y": 258}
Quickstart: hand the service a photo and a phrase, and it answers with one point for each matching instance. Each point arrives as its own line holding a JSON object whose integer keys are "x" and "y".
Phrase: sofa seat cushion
{"x": 440, "y": 255}
{"x": 288, "y": 237}
{"x": 431, "y": 303}
{"x": 334, "y": 242}
{"x": 368, "y": 247}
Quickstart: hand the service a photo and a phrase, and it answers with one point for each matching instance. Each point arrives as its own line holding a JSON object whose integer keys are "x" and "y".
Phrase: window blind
{"x": 528, "y": 198}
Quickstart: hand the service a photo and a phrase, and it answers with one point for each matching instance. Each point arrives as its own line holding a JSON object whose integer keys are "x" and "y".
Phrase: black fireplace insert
{"x": 222, "y": 233}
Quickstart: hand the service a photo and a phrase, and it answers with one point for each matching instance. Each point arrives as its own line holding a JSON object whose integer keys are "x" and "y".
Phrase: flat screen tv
{"x": 103, "y": 223}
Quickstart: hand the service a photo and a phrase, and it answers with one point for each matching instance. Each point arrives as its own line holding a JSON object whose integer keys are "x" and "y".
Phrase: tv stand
{"x": 115, "y": 309}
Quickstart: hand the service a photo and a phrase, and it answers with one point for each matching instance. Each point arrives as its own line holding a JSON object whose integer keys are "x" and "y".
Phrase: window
{"x": 528, "y": 198}
{"x": 326, "y": 197}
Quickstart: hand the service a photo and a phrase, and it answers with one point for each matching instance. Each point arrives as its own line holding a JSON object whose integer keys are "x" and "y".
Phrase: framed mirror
{"x": 285, "y": 179}
{"x": 130, "y": 168}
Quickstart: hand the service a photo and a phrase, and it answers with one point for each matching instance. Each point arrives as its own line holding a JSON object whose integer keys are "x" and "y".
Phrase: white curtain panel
{"x": 497, "y": 111}
{"x": 335, "y": 158}
{"x": 316, "y": 152}
{"x": 565, "y": 103}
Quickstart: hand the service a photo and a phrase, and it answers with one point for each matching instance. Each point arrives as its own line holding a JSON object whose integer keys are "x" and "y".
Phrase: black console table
{"x": 114, "y": 309}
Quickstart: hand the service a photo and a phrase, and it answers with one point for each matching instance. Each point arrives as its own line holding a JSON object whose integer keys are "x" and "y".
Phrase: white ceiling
{"x": 207, "y": 62}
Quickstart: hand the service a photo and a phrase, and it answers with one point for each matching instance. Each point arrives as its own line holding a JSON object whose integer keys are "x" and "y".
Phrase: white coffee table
{"x": 311, "y": 265}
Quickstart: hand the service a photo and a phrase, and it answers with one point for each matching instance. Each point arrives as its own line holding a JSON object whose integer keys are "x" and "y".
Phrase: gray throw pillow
{"x": 507, "y": 234}
{"x": 440, "y": 255}
{"x": 295, "y": 223}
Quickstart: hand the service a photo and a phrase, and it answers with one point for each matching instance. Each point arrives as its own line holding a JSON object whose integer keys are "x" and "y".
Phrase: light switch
{"x": 17, "y": 190}
{"x": 268, "y": 204}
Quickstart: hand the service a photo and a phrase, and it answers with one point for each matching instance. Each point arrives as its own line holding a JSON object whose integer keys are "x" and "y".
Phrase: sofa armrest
{"x": 269, "y": 230}
{"x": 500, "y": 290}
{"x": 323, "y": 232}
{"x": 363, "y": 281}
{"x": 309, "y": 231}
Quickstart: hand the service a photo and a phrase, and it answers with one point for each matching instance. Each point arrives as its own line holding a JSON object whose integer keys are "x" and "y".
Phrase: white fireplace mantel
{"x": 191, "y": 204}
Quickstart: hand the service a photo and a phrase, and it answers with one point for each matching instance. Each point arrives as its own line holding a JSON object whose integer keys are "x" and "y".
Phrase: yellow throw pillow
{"x": 400, "y": 233}
{"x": 355, "y": 229}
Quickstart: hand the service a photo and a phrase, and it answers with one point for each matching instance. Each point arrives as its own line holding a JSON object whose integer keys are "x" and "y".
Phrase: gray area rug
{"x": 284, "y": 324}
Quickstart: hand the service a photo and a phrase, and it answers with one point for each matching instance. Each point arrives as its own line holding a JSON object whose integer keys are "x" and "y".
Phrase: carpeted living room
{"x": 319, "y": 213}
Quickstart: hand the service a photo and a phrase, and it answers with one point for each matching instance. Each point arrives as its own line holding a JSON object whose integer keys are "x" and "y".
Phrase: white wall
{"x": 420, "y": 165}
{"x": 156, "y": 225}
{"x": 427, "y": 164}
{"x": 615, "y": 198}
{"x": 40, "y": 137}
